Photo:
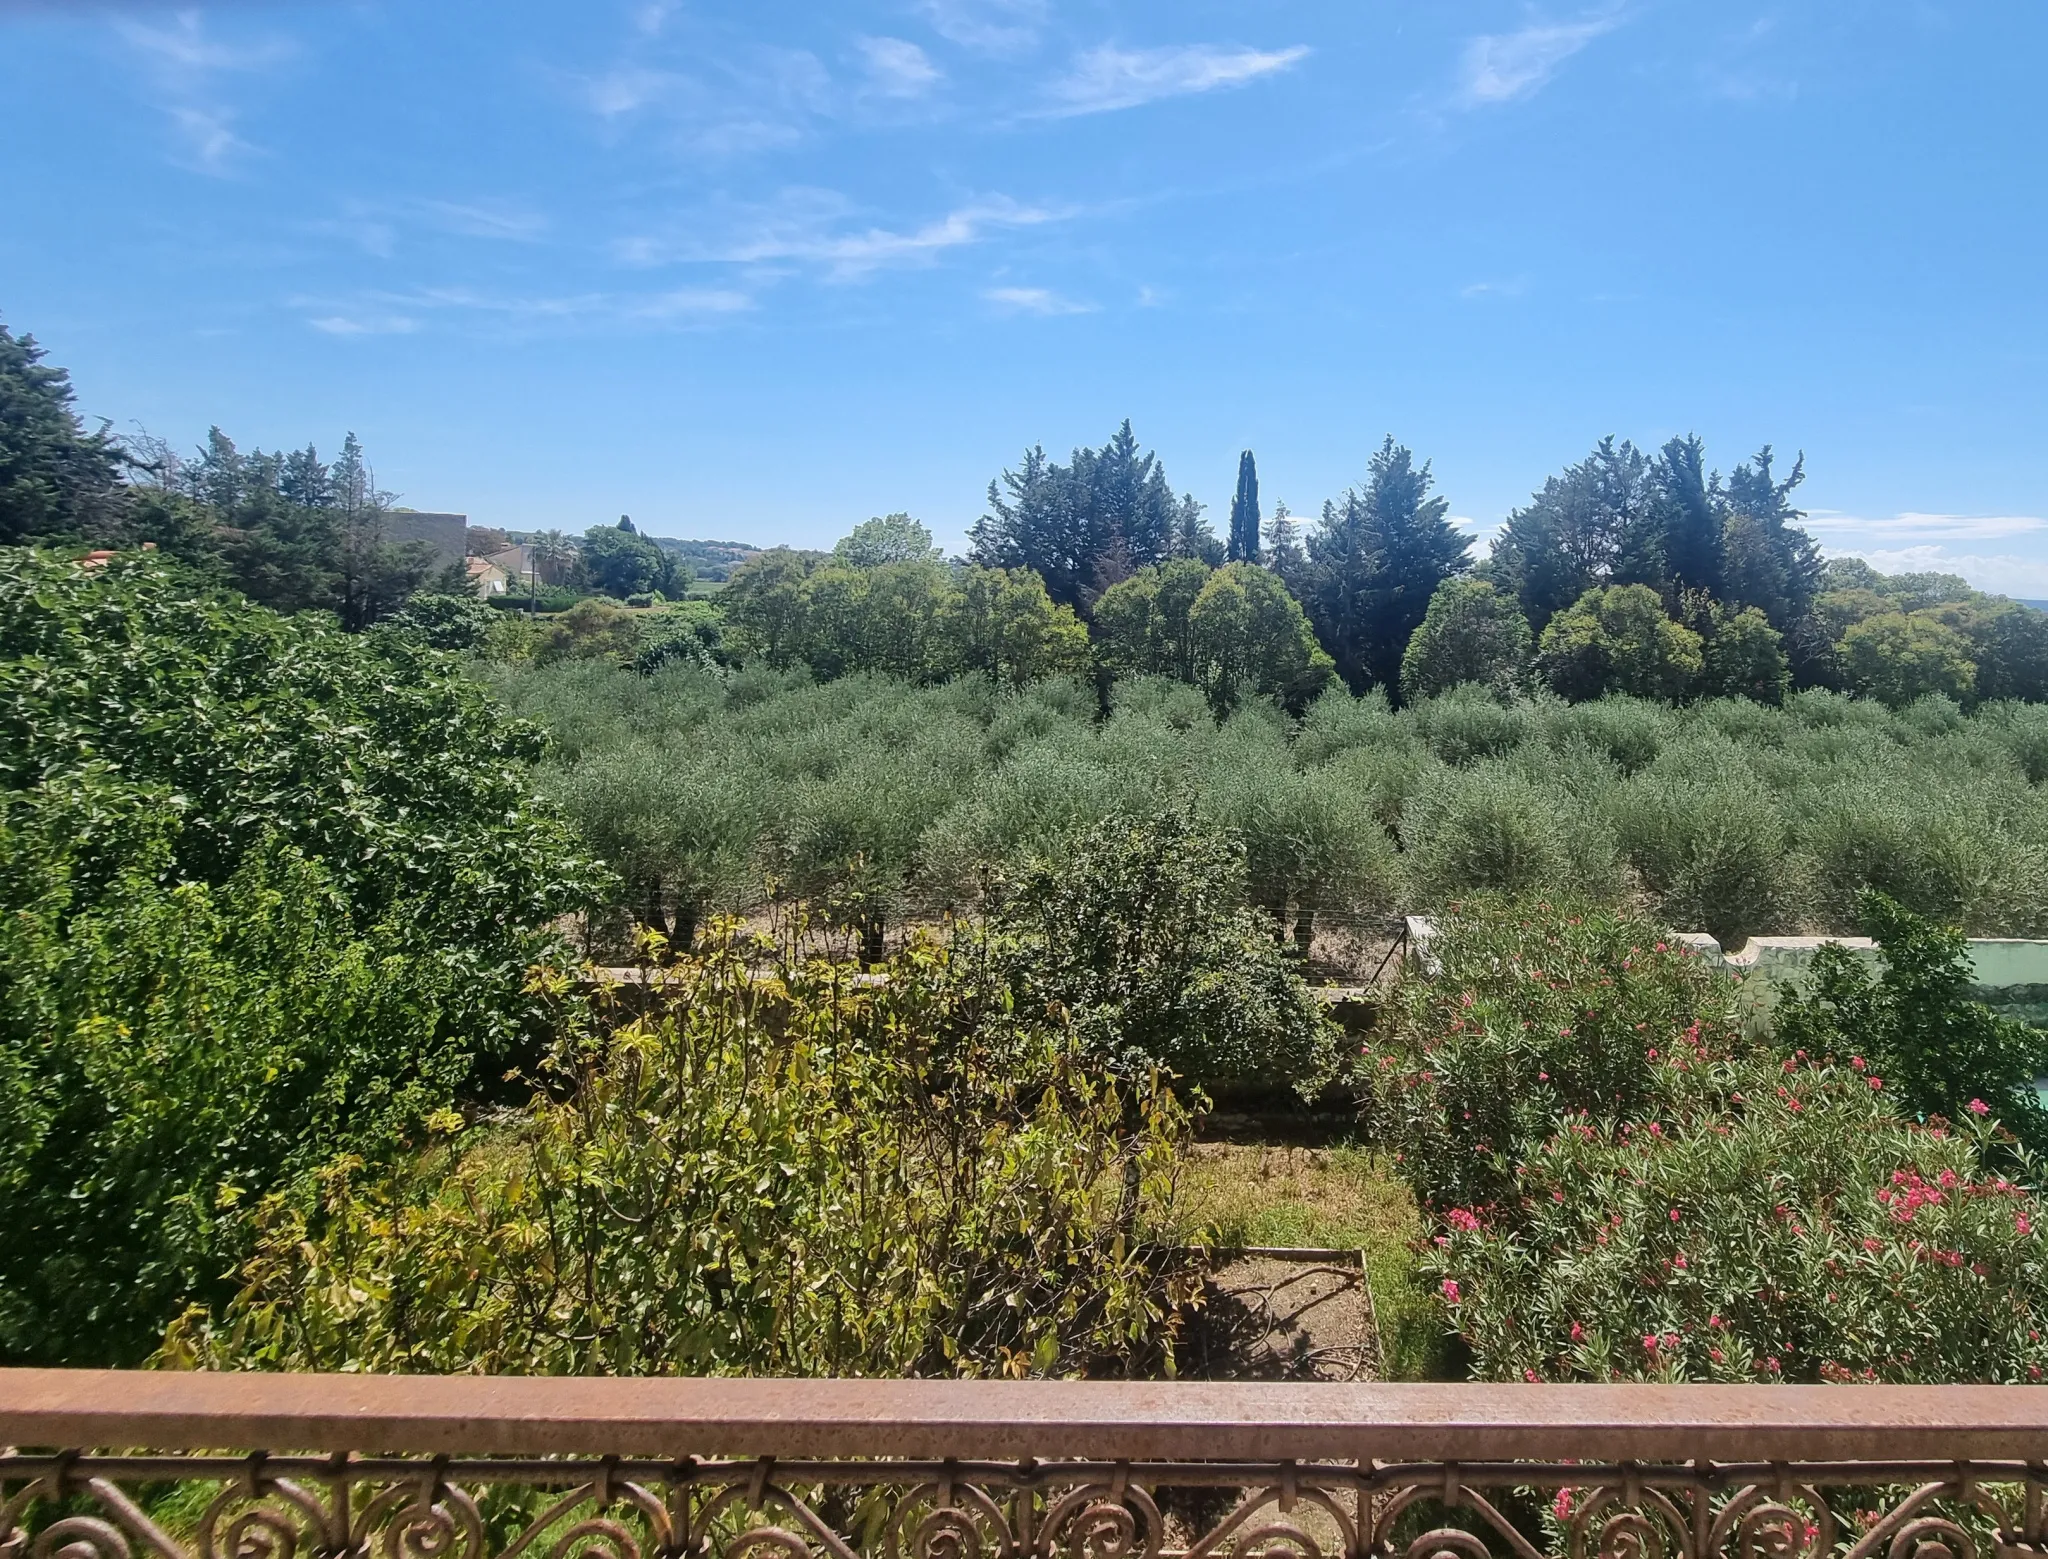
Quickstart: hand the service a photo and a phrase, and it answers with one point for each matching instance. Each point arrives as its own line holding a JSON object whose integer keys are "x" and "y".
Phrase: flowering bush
{"x": 1781, "y": 1221}
{"x": 1533, "y": 1014}
{"x": 1942, "y": 1051}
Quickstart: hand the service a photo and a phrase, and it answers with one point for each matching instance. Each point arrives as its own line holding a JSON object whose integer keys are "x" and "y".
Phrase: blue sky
{"x": 760, "y": 270}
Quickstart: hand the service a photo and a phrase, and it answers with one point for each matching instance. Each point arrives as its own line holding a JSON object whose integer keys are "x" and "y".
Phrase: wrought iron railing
{"x": 121, "y": 1466}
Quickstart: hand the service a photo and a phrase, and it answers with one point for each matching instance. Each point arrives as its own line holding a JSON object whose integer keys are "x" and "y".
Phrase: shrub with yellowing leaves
{"x": 778, "y": 1168}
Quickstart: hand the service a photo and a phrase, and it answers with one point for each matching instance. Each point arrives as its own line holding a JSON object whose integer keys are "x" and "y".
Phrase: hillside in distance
{"x": 708, "y": 559}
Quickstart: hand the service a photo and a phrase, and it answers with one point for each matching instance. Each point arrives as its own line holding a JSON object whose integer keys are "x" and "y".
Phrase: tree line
{"x": 1650, "y": 575}
{"x": 1629, "y": 571}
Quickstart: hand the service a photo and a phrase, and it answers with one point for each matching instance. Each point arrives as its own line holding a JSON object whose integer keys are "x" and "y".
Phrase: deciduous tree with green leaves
{"x": 268, "y": 892}
{"x": 1471, "y": 633}
{"x": 888, "y": 538}
{"x": 1618, "y": 640}
{"x": 620, "y": 562}
{"x": 1896, "y": 657}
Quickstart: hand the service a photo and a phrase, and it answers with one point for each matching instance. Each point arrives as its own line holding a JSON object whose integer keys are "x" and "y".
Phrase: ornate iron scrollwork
{"x": 76, "y": 1506}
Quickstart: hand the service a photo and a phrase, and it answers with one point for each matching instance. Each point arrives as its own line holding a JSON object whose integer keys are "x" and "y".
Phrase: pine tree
{"x": 55, "y": 478}
{"x": 1597, "y": 523}
{"x": 1284, "y": 555}
{"x": 1088, "y": 524}
{"x": 1374, "y": 562}
{"x": 1244, "y": 513}
{"x": 1691, "y": 521}
{"x": 1192, "y": 536}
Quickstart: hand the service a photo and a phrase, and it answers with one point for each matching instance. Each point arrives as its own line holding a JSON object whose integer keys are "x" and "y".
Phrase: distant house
{"x": 486, "y": 578}
{"x": 447, "y": 534}
{"x": 521, "y": 564}
{"x": 513, "y": 560}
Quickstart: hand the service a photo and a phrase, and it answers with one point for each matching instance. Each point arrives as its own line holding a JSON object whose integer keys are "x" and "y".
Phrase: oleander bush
{"x": 1621, "y": 1185}
{"x": 776, "y": 1167}
{"x": 1531, "y": 1013}
{"x": 1775, "y": 1220}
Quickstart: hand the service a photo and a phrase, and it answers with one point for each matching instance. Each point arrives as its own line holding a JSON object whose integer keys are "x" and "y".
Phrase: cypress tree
{"x": 1244, "y": 513}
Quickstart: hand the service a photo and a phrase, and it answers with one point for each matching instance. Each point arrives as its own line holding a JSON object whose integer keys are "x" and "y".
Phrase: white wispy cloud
{"x": 1035, "y": 300}
{"x": 1997, "y": 573}
{"x": 1848, "y": 529}
{"x": 189, "y": 66}
{"x": 484, "y": 219}
{"x": 650, "y": 19}
{"x": 690, "y": 303}
{"x": 753, "y": 100}
{"x": 817, "y": 228}
{"x": 1106, "y": 78}
{"x": 364, "y": 324}
{"x": 185, "y": 47}
{"x": 625, "y": 89}
{"x": 208, "y": 134}
{"x": 402, "y": 313}
{"x": 986, "y": 26}
{"x": 377, "y": 227}
{"x": 1500, "y": 67}
{"x": 897, "y": 67}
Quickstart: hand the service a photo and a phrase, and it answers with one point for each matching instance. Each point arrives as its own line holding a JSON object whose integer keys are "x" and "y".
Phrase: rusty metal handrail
{"x": 1001, "y": 1420}
{"x": 384, "y": 1467}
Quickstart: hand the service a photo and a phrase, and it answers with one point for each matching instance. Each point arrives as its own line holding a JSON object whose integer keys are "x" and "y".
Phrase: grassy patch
{"x": 1341, "y": 1198}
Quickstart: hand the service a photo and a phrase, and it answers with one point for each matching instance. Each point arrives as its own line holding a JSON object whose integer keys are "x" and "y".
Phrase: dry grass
{"x": 1340, "y": 1198}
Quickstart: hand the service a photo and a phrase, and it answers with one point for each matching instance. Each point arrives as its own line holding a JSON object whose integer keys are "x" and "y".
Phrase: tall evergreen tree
{"x": 1088, "y": 524}
{"x": 1244, "y": 514}
{"x": 1597, "y": 523}
{"x": 1374, "y": 562}
{"x": 1770, "y": 563}
{"x": 1284, "y": 554}
{"x": 1193, "y": 537}
{"x": 1692, "y": 507}
{"x": 55, "y": 478}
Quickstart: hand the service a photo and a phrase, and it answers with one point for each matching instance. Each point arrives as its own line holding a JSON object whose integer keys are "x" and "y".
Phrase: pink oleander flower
{"x": 1978, "y": 1107}
{"x": 1450, "y": 1290}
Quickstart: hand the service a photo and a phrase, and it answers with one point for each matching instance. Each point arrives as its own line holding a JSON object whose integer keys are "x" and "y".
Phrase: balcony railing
{"x": 176, "y": 1466}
